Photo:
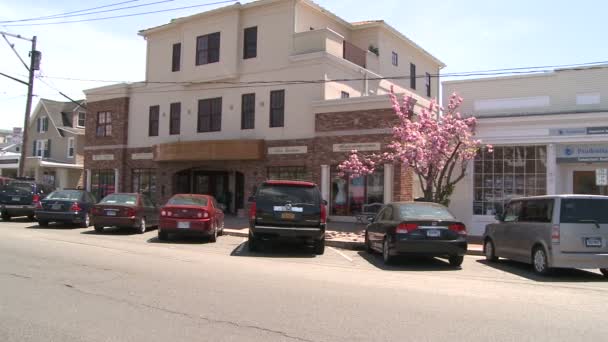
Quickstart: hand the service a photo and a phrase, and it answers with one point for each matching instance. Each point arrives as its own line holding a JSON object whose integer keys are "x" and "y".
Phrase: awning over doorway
{"x": 210, "y": 150}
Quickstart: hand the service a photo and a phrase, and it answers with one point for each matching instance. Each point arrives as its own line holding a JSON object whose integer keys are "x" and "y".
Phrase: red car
{"x": 190, "y": 214}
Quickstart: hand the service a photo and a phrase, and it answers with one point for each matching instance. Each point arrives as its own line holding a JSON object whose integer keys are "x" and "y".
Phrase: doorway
{"x": 212, "y": 183}
{"x": 583, "y": 183}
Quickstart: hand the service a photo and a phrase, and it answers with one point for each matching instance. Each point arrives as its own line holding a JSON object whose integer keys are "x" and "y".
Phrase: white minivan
{"x": 561, "y": 231}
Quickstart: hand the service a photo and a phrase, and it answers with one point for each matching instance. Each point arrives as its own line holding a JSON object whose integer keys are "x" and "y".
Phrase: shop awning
{"x": 210, "y": 150}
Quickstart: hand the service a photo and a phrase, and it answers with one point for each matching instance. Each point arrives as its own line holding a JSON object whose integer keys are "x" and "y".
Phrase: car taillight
{"x": 130, "y": 212}
{"x": 75, "y": 207}
{"x": 163, "y": 213}
{"x": 166, "y": 213}
{"x": 458, "y": 228}
{"x": 405, "y": 228}
{"x": 323, "y": 214}
{"x": 555, "y": 234}
{"x": 252, "y": 211}
{"x": 36, "y": 199}
{"x": 202, "y": 214}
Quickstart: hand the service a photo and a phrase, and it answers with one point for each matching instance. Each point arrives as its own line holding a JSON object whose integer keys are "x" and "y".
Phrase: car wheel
{"x": 99, "y": 229}
{"x": 31, "y": 217}
{"x": 252, "y": 243}
{"x": 43, "y": 223}
{"x": 163, "y": 236}
{"x": 213, "y": 238}
{"x": 539, "y": 261}
{"x": 6, "y": 217}
{"x": 221, "y": 232}
{"x": 604, "y": 272}
{"x": 368, "y": 245}
{"x": 142, "y": 226}
{"x": 489, "y": 252}
{"x": 320, "y": 247}
{"x": 386, "y": 253}
{"x": 86, "y": 222}
{"x": 456, "y": 260}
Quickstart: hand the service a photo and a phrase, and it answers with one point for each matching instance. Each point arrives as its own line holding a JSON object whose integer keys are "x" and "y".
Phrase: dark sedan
{"x": 125, "y": 210}
{"x": 65, "y": 206}
{"x": 416, "y": 228}
{"x": 191, "y": 215}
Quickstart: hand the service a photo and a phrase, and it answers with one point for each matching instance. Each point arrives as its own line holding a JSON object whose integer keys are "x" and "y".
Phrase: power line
{"x": 62, "y": 14}
{"x": 61, "y": 93}
{"x": 125, "y": 15}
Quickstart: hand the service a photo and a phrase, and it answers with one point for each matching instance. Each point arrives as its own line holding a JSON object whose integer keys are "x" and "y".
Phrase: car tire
{"x": 213, "y": 237}
{"x": 489, "y": 251}
{"x": 456, "y": 260}
{"x": 43, "y": 223}
{"x": 31, "y": 217}
{"x": 6, "y": 217}
{"x": 320, "y": 246}
{"x": 604, "y": 271}
{"x": 98, "y": 229}
{"x": 368, "y": 245}
{"x": 86, "y": 222}
{"x": 142, "y": 226}
{"x": 386, "y": 253}
{"x": 252, "y": 243}
{"x": 221, "y": 232}
{"x": 163, "y": 236}
{"x": 539, "y": 261}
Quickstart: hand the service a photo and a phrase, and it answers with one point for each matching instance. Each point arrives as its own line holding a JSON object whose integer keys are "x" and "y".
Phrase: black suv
{"x": 288, "y": 210}
{"x": 20, "y": 198}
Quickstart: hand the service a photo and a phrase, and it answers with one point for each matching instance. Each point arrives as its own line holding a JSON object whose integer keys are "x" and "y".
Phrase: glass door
{"x": 583, "y": 183}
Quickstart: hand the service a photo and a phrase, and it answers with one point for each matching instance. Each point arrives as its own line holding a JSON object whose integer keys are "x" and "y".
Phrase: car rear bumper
{"x": 54, "y": 216}
{"x": 121, "y": 222}
{"x": 430, "y": 247}
{"x": 195, "y": 227}
{"x": 579, "y": 260}
{"x": 316, "y": 233}
{"x": 18, "y": 209}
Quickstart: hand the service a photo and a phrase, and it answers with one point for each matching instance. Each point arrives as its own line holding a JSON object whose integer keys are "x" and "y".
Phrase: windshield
{"x": 69, "y": 195}
{"x": 120, "y": 199}
{"x": 583, "y": 210}
{"x": 288, "y": 193}
{"x": 188, "y": 200}
{"x": 424, "y": 211}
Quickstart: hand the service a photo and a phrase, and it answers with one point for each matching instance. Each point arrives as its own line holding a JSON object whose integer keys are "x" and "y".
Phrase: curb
{"x": 352, "y": 245}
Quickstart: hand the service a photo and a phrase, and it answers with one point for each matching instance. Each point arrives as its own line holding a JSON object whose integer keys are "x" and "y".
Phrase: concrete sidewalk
{"x": 343, "y": 235}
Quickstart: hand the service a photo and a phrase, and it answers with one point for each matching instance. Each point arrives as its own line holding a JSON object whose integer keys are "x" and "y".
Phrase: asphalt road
{"x": 60, "y": 284}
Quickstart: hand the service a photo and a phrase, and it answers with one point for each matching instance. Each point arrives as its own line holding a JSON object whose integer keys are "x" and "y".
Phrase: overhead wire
{"x": 66, "y": 13}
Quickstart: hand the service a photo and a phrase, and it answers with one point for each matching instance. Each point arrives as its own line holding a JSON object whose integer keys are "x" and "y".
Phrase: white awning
{"x": 60, "y": 165}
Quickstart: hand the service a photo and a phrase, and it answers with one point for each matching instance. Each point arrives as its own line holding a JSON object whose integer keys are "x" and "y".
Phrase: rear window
{"x": 69, "y": 195}
{"x": 120, "y": 199}
{"x": 283, "y": 193}
{"x": 424, "y": 211}
{"x": 188, "y": 200}
{"x": 19, "y": 185}
{"x": 581, "y": 210}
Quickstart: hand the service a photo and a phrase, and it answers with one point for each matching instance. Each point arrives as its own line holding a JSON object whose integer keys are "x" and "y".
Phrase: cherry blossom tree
{"x": 435, "y": 144}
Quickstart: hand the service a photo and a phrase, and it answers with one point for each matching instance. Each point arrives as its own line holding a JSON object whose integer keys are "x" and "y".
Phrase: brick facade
{"x": 353, "y": 120}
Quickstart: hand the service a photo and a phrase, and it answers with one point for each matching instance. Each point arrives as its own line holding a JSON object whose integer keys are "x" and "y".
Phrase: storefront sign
{"x": 99, "y": 157}
{"x": 579, "y": 131}
{"x": 596, "y": 153}
{"x": 142, "y": 156}
{"x": 597, "y": 130}
{"x": 288, "y": 150}
{"x": 357, "y": 146}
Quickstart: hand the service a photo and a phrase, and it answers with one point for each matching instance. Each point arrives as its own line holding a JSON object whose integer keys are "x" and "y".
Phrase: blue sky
{"x": 467, "y": 35}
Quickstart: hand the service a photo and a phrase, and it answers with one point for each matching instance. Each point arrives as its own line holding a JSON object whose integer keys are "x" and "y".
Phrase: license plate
{"x": 433, "y": 233}
{"x": 16, "y": 199}
{"x": 56, "y": 206}
{"x": 288, "y": 216}
{"x": 593, "y": 242}
{"x": 183, "y": 225}
{"x": 110, "y": 213}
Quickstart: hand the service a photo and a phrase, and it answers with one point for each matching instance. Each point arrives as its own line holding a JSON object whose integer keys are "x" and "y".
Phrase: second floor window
{"x": 210, "y": 115}
{"x": 71, "y": 147}
{"x": 43, "y": 124}
{"x": 153, "y": 121}
{"x": 395, "y": 59}
{"x": 248, "y": 111}
{"x": 104, "y": 124}
{"x": 277, "y": 108}
{"x": 81, "y": 119}
{"x": 42, "y": 148}
{"x": 428, "y": 84}
{"x": 176, "y": 57}
{"x": 250, "y": 42}
{"x": 175, "y": 118}
{"x": 412, "y": 75}
{"x": 208, "y": 48}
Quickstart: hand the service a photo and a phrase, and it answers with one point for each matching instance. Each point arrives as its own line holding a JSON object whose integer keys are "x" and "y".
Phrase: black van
{"x": 20, "y": 198}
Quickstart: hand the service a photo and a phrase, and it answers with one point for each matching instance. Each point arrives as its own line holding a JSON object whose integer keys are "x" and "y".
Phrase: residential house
{"x": 272, "y": 89}
{"x": 54, "y": 150}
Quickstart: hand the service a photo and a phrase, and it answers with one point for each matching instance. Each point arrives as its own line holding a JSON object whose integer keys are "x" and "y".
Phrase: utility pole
{"x": 34, "y": 65}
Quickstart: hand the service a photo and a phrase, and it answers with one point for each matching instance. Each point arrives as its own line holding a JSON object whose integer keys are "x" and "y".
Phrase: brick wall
{"x": 364, "y": 119}
{"x": 119, "y": 108}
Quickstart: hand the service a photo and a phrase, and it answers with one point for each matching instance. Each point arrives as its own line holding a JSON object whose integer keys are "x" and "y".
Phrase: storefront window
{"x": 102, "y": 183}
{"x": 508, "y": 172}
{"x": 288, "y": 173}
{"x": 144, "y": 181}
{"x": 356, "y": 195}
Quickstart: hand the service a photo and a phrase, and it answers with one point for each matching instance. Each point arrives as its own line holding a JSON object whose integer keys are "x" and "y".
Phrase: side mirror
{"x": 324, "y": 202}
{"x": 251, "y": 199}
{"x": 370, "y": 219}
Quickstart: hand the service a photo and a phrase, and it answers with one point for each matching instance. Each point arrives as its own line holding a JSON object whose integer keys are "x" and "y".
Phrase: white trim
{"x": 78, "y": 119}
{"x": 73, "y": 141}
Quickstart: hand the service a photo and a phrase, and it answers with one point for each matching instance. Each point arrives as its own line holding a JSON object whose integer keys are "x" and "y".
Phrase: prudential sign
{"x": 596, "y": 153}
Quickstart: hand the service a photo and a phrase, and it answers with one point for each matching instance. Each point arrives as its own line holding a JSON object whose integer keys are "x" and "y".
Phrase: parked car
{"x": 563, "y": 231}
{"x": 125, "y": 210}
{"x": 4, "y": 181}
{"x": 189, "y": 214}
{"x": 288, "y": 210}
{"x": 20, "y": 197}
{"x": 416, "y": 228}
{"x": 65, "y": 206}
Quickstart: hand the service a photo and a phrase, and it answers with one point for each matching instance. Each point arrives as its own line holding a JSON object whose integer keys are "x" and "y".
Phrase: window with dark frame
{"x": 104, "y": 124}
{"x": 176, "y": 59}
{"x": 153, "y": 121}
{"x": 209, "y": 115}
{"x": 277, "y": 108}
{"x": 102, "y": 183}
{"x": 428, "y": 84}
{"x": 144, "y": 182}
{"x": 208, "y": 49}
{"x": 288, "y": 173}
{"x": 344, "y": 95}
{"x": 175, "y": 118}
{"x": 412, "y": 75}
{"x": 395, "y": 59}
{"x": 250, "y": 42}
{"x": 248, "y": 111}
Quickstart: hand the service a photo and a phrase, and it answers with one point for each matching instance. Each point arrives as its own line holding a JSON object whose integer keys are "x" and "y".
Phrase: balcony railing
{"x": 354, "y": 54}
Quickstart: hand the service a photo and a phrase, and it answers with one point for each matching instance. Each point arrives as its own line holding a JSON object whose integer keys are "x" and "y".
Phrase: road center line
{"x": 342, "y": 254}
